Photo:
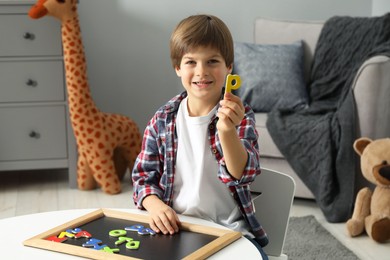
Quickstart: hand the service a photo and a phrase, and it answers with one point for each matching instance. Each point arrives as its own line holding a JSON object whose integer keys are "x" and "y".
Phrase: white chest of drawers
{"x": 34, "y": 128}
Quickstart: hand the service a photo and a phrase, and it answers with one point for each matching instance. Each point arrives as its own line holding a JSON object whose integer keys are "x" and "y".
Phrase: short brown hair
{"x": 201, "y": 30}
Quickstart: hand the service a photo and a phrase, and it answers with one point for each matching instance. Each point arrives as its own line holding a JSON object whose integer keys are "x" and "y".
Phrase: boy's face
{"x": 203, "y": 72}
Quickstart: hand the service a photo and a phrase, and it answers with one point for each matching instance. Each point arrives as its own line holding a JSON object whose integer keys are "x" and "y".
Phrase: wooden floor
{"x": 40, "y": 191}
{"x": 34, "y": 192}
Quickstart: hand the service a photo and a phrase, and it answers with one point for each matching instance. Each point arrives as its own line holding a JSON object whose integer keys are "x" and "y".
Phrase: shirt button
{"x": 214, "y": 151}
{"x": 211, "y": 127}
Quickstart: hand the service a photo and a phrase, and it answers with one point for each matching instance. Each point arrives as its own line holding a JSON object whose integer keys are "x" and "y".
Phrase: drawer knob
{"x": 31, "y": 82}
{"x": 28, "y": 36}
{"x": 35, "y": 135}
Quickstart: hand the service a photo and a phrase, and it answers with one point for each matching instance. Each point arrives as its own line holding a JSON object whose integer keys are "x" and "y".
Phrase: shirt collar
{"x": 173, "y": 104}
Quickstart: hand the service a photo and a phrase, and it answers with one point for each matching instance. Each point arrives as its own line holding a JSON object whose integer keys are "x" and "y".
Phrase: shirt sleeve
{"x": 248, "y": 135}
{"x": 146, "y": 172}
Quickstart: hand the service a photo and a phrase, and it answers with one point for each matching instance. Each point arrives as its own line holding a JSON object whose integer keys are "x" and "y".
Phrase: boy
{"x": 199, "y": 153}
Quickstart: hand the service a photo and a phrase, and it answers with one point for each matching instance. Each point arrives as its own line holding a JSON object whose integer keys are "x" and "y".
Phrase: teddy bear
{"x": 372, "y": 209}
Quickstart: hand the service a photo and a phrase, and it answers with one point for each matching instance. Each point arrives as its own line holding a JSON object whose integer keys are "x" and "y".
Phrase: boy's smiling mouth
{"x": 203, "y": 83}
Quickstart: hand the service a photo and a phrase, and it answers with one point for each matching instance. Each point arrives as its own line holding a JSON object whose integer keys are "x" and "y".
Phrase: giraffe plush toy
{"x": 107, "y": 144}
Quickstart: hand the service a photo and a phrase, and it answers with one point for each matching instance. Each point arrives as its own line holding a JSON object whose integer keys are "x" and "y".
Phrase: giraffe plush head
{"x": 61, "y": 9}
{"x": 107, "y": 144}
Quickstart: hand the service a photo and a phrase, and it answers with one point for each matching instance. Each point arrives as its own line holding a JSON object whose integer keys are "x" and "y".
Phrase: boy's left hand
{"x": 230, "y": 113}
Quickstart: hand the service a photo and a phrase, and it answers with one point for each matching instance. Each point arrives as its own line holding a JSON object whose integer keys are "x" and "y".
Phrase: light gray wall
{"x": 126, "y": 42}
{"x": 380, "y": 7}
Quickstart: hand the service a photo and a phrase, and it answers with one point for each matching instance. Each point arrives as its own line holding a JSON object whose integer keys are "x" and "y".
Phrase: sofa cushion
{"x": 272, "y": 75}
{"x": 266, "y": 144}
{"x": 275, "y": 31}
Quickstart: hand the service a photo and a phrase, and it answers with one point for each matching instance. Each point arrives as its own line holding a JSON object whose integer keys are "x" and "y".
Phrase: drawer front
{"x": 32, "y": 132}
{"x": 22, "y": 36}
{"x": 31, "y": 81}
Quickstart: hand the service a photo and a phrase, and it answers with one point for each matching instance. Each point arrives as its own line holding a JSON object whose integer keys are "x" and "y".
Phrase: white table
{"x": 17, "y": 229}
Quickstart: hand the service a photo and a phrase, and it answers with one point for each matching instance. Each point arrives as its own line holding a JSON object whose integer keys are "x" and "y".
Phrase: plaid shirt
{"x": 154, "y": 169}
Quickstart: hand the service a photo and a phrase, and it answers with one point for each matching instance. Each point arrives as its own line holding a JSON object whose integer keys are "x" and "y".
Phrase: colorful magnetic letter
{"x": 74, "y": 231}
{"x": 232, "y": 82}
{"x": 65, "y": 234}
{"x": 117, "y": 233}
{"x": 110, "y": 250}
{"x": 141, "y": 230}
{"x": 122, "y": 240}
{"x": 132, "y": 245}
{"x": 57, "y": 239}
{"x": 94, "y": 243}
{"x": 83, "y": 233}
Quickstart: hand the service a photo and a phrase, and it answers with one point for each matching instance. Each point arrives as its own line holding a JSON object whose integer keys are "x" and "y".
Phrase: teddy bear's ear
{"x": 360, "y": 144}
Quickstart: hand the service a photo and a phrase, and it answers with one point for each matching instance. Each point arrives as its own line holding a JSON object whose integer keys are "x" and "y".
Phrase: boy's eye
{"x": 213, "y": 61}
{"x": 190, "y": 62}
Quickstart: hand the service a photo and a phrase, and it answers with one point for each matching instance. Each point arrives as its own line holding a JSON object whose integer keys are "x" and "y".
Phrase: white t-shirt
{"x": 197, "y": 191}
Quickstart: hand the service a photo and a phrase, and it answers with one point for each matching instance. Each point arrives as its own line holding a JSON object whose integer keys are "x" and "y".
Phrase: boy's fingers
{"x": 175, "y": 226}
{"x": 178, "y": 220}
{"x": 232, "y": 99}
{"x": 173, "y": 221}
{"x": 163, "y": 229}
{"x": 161, "y": 226}
{"x": 154, "y": 227}
{"x": 230, "y": 96}
{"x": 166, "y": 225}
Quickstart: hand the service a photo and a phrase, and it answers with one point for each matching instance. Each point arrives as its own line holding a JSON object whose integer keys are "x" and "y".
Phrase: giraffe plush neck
{"x": 74, "y": 57}
{"x": 107, "y": 143}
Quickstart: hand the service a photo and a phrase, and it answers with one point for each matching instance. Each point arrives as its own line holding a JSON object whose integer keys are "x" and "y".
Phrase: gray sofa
{"x": 371, "y": 90}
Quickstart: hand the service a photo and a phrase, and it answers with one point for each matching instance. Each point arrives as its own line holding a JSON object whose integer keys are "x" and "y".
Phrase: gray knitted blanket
{"x": 318, "y": 141}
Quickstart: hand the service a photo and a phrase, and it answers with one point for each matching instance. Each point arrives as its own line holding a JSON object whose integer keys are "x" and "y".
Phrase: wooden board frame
{"x": 224, "y": 237}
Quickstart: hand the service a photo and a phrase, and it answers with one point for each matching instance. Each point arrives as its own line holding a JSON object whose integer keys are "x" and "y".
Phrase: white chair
{"x": 272, "y": 196}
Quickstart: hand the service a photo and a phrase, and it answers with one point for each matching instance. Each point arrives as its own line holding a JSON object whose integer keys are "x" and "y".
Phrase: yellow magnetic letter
{"x": 232, "y": 82}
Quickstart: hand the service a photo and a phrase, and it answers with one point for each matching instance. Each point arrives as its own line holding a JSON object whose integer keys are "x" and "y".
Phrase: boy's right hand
{"x": 162, "y": 217}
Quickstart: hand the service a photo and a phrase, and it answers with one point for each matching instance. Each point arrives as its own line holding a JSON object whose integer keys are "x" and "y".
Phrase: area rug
{"x": 307, "y": 239}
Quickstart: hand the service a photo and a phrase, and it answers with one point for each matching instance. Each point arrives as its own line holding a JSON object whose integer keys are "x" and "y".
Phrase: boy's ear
{"x": 178, "y": 71}
{"x": 230, "y": 68}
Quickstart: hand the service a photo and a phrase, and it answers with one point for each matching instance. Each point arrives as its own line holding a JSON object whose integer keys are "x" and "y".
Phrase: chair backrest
{"x": 272, "y": 206}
